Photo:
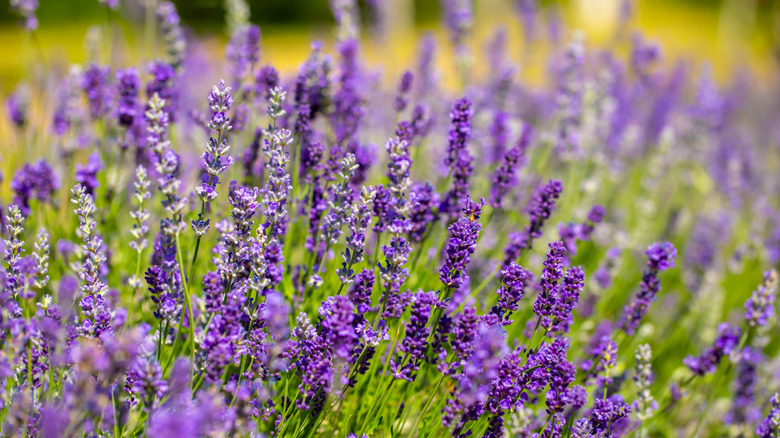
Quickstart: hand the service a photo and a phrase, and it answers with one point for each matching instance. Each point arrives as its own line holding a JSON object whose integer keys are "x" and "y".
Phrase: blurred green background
{"x": 729, "y": 34}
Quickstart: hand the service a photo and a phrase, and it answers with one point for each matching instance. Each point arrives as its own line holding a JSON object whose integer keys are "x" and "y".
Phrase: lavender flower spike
{"x": 461, "y": 245}
{"x": 94, "y": 308}
{"x": 660, "y": 258}
{"x": 459, "y": 135}
{"x": 278, "y": 185}
{"x": 41, "y": 257}
{"x": 761, "y": 305}
{"x": 539, "y": 210}
{"x": 707, "y": 362}
{"x": 416, "y": 340}
{"x": 26, "y": 10}
{"x": 770, "y": 426}
{"x": 510, "y": 292}
{"x": 505, "y": 176}
{"x": 220, "y": 101}
{"x": 172, "y": 32}
{"x": 358, "y": 222}
{"x": 140, "y": 228}
{"x": 645, "y": 404}
{"x": 127, "y": 107}
{"x": 14, "y": 247}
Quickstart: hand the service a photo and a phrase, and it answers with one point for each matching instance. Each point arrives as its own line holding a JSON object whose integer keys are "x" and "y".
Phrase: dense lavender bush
{"x": 238, "y": 257}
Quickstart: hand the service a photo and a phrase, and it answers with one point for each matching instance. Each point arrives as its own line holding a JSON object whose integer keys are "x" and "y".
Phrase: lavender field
{"x": 430, "y": 246}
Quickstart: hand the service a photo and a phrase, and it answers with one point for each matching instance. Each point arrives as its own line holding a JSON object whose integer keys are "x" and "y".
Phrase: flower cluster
{"x": 539, "y": 210}
{"x": 660, "y": 257}
{"x": 380, "y": 264}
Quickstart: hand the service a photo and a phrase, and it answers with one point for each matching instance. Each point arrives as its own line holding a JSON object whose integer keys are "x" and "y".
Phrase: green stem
{"x": 187, "y": 300}
{"x": 117, "y": 430}
{"x": 428, "y": 403}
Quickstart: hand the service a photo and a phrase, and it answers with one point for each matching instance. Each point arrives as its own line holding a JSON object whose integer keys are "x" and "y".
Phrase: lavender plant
{"x": 330, "y": 287}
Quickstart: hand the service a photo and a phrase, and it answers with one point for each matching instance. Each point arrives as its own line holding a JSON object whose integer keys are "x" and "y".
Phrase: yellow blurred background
{"x": 729, "y": 34}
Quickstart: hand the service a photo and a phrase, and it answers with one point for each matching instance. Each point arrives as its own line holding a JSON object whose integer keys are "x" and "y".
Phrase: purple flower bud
{"x": 37, "y": 181}
{"x": 403, "y": 90}
{"x": 95, "y": 85}
{"x": 337, "y": 314}
{"x": 539, "y": 210}
{"x": 725, "y": 342}
{"x": 127, "y": 89}
{"x": 761, "y": 305}
{"x": 660, "y": 257}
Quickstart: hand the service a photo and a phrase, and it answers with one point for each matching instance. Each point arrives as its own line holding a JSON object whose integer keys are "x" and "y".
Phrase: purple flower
{"x": 554, "y": 428}
{"x": 347, "y": 100}
{"x": 214, "y": 165}
{"x": 660, "y": 257}
{"x": 423, "y": 201}
{"x": 312, "y": 84}
{"x": 770, "y": 426}
{"x": 505, "y": 176}
{"x": 360, "y": 293}
{"x": 34, "y": 181}
{"x": 14, "y": 278}
{"x": 473, "y": 384}
{"x": 518, "y": 379}
{"x": 528, "y": 11}
{"x": 426, "y": 72}
{"x": 127, "y": 89}
{"x": 95, "y": 311}
{"x": 459, "y": 135}
{"x": 393, "y": 272}
{"x": 278, "y": 185}
{"x": 458, "y": 18}
{"x": 416, "y": 127}
{"x": 407, "y": 79}
{"x": 582, "y": 429}
{"x": 707, "y": 362}
{"x": 499, "y": 131}
{"x": 173, "y": 34}
{"x": 464, "y": 332}
{"x": 162, "y": 83}
{"x": 398, "y": 168}
{"x": 566, "y": 300}
{"x": 706, "y": 238}
{"x": 17, "y": 106}
{"x": 145, "y": 380}
{"x": 312, "y": 359}
{"x": 569, "y": 97}
{"x": 539, "y": 210}
{"x": 552, "y": 273}
{"x": 266, "y": 79}
{"x": 25, "y": 9}
{"x": 358, "y": 221}
{"x": 461, "y": 245}
{"x": 160, "y": 288}
{"x": 167, "y": 162}
{"x": 337, "y": 314}
{"x": 746, "y": 384}
{"x": 606, "y": 415}
{"x": 510, "y": 292}
{"x": 87, "y": 174}
{"x": 212, "y": 290}
{"x": 462, "y": 170}
{"x": 559, "y": 371}
{"x": 415, "y": 340}
{"x": 94, "y": 83}
{"x": 243, "y": 51}
{"x": 645, "y": 404}
{"x": 643, "y": 55}
{"x": 761, "y": 304}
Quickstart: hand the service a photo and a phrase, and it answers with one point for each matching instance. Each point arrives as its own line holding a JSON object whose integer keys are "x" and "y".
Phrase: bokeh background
{"x": 729, "y": 34}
